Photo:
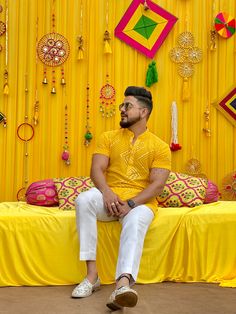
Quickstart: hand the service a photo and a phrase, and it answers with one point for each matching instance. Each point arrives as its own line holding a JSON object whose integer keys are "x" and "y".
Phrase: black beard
{"x": 129, "y": 123}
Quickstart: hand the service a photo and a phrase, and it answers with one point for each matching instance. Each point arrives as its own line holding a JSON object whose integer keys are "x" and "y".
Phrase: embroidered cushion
{"x": 69, "y": 188}
{"x": 183, "y": 190}
{"x": 212, "y": 193}
{"x": 42, "y": 193}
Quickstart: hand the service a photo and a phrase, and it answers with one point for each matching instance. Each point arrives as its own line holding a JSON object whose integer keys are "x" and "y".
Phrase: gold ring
{"x": 112, "y": 204}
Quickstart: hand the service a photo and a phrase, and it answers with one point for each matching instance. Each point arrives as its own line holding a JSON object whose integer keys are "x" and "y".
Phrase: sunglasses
{"x": 127, "y": 106}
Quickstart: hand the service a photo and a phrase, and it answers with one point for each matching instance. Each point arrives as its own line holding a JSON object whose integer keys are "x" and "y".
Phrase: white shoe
{"x": 85, "y": 288}
{"x": 122, "y": 297}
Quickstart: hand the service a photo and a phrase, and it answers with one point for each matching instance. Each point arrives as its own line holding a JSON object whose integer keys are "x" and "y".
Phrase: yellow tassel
{"x": 80, "y": 55}
{"x": 107, "y": 47}
{"x": 6, "y": 89}
{"x": 186, "y": 91}
{"x": 36, "y": 117}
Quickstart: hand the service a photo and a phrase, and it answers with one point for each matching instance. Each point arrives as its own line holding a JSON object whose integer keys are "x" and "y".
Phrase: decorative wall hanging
{"x": 80, "y": 39}
{"x": 193, "y": 167}
{"x": 36, "y": 100}
{"x": 25, "y": 133}
{"x": 88, "y": 135}
{"x": 66, "y": 154}
{"x": 186, "y": 55}
{"x": 227, "y": 105}
{"x": 144, "y": 26}
{"x": 5, "y": 29}
{"x": 107, "y": 99}
{"x": 228, "y": 191}
{"x": 3, "y": 118}
{"x": 206, "y": 129}
{"x": 152, "y": 75}
{"x": 225, "y": 24}
{"x": 213, "y": 32}
{"x": 53, "y": 50}
{"x": 174, "y": 143}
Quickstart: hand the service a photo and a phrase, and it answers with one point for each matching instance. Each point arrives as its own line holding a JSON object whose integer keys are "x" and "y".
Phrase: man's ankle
{"x": 124, "y": 280}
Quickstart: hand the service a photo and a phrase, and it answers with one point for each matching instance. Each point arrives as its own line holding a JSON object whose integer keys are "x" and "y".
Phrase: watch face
{"x": 131, "y": 203}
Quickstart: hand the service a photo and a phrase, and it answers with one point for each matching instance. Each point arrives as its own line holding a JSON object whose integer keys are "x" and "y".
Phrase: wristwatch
{"x": 131, "y": 203}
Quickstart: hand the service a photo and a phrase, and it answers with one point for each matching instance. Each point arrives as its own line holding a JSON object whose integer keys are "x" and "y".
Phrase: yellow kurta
{"x": 130, "y": 164}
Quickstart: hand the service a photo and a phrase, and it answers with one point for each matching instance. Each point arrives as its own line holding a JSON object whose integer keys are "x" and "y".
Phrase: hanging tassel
{"x": 186, "y": 91}
{"x": 80, "y": 55}
{"x": 6, "y": 89}
{"x": 107, "y": 38}
{"x": 152, "y": 75}
{"x": 174, "y": 146}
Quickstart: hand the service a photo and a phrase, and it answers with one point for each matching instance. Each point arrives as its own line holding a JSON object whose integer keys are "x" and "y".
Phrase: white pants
{"x": 90, "y": 208}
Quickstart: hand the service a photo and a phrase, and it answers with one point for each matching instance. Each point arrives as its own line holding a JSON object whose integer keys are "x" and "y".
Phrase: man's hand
{"x": 112, "y": 202}
{"x": 124, "y": 209}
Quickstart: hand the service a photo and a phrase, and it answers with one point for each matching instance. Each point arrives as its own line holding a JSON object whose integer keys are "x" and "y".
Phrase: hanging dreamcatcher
{"x": 229, "y": 187}
{"x": 107, "y": 100}
{"x": 53, "y": 50}
{"x": 186, "y": 55}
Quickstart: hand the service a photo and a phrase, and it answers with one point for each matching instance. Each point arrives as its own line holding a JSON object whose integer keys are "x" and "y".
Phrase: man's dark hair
{"x": 141, "y": 94}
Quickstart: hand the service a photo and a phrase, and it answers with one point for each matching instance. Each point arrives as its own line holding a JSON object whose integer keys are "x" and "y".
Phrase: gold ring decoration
{"x": 18, "y": 132}
{"x": 53, "y": 49}
{"x": 112, "y": 204}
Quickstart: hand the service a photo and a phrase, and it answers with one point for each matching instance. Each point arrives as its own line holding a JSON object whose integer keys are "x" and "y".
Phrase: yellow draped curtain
{"x": 40, "y": 158}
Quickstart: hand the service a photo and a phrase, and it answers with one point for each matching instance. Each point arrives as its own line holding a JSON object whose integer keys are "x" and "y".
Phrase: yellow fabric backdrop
{"x": 215, "y": 75}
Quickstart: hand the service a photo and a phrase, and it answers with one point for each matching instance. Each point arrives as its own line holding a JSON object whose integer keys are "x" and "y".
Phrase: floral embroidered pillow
{"x": 183, "y": 190}
{"x": 69, "y": 188}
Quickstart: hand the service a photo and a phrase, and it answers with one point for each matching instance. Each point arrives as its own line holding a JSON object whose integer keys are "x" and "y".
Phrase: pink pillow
{"x": 212, "y": 193}
{"x": 42, "y": 193}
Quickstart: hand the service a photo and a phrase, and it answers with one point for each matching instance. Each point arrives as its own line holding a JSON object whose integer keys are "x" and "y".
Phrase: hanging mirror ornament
{"x": 53, "y": 50}
{"x": 107, "y": 100}
{"x": 186, "y": 55}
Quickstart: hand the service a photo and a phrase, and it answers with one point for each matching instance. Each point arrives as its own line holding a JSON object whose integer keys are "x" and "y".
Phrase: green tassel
{"x": 152, "y": 75}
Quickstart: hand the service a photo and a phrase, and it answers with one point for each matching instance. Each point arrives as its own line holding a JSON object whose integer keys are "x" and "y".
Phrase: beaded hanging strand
{"x": 66, "y": 154}
{"x": 80, "y": 39}
{"x": 36, "y": 100}
{"x": 3, "y": 118}
{"x": 6, "y": 86}
{"x": 88, "y": 135}
{"x": 4, "y": 27}
{"x": 53, "y": 90}
{"x": 25, "y": 131}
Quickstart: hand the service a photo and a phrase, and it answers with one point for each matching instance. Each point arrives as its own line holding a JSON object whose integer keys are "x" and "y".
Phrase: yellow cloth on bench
{"x": 39, "y": 246}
